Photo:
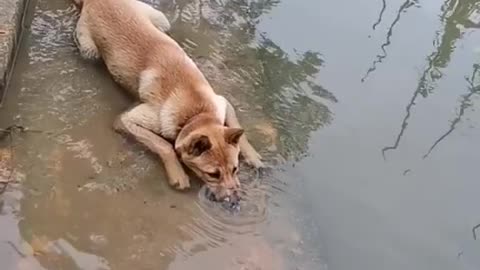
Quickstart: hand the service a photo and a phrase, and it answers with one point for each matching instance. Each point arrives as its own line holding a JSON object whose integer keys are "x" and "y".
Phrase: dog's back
{"x": 128, "y": 52}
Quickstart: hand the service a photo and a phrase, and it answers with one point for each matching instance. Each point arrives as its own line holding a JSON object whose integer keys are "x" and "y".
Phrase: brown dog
{"x": 177, "y": 103}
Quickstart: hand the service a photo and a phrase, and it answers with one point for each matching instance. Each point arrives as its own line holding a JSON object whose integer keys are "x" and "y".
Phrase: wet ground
{"x": 365, "y": 110}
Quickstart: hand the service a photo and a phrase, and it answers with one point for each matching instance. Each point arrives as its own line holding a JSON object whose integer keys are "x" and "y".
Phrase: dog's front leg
{"x": 142, "y": 122}
{"x": 252, "y": 157}
{"x": 83, "y": 38}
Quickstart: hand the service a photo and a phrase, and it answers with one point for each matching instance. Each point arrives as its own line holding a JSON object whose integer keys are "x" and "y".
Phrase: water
{"x": 365, "y": 110}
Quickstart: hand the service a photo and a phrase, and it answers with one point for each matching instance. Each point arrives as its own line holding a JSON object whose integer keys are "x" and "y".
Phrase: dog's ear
{"x": 232, "y": 135}
{"x": 198, "y": 145}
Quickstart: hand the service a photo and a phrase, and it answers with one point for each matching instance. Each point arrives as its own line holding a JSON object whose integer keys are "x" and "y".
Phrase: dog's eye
{"x": 215, "y": 175}
{"x": 234, "y": 170}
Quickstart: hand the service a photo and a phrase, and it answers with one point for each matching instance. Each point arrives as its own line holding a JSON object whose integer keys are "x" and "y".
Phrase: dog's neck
{"x": 199, "y": 120}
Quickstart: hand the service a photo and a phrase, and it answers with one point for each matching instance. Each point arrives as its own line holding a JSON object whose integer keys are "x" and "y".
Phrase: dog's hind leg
{"x": 252, "y": 157}
{"x": 84, "y": 41}
{"x": 156, "y": 17}
{"x": 142, "y": 122}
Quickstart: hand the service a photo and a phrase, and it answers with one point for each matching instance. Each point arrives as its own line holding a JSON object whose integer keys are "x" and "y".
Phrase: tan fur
{"x": 177, "y": 103}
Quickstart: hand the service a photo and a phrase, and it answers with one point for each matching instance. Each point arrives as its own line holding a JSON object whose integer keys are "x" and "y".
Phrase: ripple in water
{"x": 53, "y": 30}
{"x": 216, "y": 223}
{"x": 216, "y": 227}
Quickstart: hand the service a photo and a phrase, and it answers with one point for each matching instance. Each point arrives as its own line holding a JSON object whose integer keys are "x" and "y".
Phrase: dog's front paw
{"x": 178, "y": 179}
{"x": 255, "y": 160}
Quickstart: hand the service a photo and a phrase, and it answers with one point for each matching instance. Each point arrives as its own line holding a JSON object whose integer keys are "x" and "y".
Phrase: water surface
{"x": 365, "y": 110}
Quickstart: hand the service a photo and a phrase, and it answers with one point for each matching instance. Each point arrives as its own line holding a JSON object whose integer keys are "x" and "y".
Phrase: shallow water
{"x": 365, "y": 110}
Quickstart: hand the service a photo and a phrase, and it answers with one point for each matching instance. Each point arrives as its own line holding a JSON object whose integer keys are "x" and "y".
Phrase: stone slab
{"x": 11, "y": 14}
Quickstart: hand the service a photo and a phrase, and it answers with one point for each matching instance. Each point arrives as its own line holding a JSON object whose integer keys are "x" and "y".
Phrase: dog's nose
{"x": 217, "y": 195}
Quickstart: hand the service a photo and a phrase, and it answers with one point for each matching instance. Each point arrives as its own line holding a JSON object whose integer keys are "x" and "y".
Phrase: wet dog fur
{"x": 179, "y": 116}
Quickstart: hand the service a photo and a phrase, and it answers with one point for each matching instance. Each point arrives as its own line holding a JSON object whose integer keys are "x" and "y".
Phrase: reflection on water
{"x": 456, "y": 19}
{"x": 465, "y": 103}
{"x": 380, "y": 57}
{"x": 380, "y": 15}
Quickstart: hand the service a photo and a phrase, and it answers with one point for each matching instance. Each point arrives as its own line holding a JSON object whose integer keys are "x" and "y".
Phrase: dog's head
{"x": 212, "y": 154}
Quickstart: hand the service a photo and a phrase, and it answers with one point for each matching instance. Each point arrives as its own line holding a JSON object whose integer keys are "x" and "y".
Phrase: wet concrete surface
{"x": 365, "y": 111}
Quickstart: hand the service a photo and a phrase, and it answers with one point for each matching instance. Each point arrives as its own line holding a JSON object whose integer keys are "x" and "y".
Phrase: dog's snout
{"x": 222, "y": 194}
{"x": 231, "y": 183}
{"x": 229, "y": 199}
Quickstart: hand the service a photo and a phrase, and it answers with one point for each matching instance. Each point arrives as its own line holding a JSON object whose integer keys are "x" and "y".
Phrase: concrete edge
{"x": 11, "y": 19}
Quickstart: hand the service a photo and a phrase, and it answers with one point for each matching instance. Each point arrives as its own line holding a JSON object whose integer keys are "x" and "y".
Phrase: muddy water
{"x": 365, "y": 110}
